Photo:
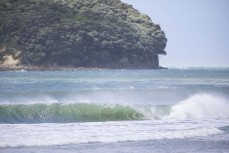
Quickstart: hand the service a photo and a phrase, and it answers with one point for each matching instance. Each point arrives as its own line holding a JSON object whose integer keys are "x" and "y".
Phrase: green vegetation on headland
{"x": 79, "y": 33}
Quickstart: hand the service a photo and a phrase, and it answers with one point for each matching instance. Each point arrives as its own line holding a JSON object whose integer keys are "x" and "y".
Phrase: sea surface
{"x": 115, "y": 111}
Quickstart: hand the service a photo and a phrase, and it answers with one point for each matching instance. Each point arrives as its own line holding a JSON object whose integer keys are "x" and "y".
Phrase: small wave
{"x": 22, "y": 70}
{"x": 66, "y": 113}
{"x": 225, "y": 129}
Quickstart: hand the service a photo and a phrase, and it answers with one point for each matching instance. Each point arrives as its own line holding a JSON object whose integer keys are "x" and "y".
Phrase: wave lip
{"x": 66, "y": 113}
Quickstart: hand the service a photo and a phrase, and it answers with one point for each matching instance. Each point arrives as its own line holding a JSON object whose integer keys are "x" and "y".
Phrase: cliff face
{"x": 83, "y": 33}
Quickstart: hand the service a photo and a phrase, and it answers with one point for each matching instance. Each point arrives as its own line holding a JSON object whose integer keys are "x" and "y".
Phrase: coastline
{"x": 43, "y": 68}
{"x": 60, "y": 68}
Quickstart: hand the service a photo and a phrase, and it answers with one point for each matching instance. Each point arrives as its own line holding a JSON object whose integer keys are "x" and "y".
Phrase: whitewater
{"x": 174, "y": 110}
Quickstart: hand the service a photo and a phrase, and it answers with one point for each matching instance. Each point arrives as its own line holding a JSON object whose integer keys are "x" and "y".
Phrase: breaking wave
{"x": 66, "y": 113}
{"x": 196, "y": 107}
{"x": 200, "y": 106}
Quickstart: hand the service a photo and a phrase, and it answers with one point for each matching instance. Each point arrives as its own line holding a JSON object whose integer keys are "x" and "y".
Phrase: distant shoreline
{"x": 42, "y": 68}
{"x": 59, "y": 68}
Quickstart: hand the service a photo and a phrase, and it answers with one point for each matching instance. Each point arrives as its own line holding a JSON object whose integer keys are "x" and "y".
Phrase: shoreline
{"x": 42, "y": 68}
{"x": 63, "y": 68}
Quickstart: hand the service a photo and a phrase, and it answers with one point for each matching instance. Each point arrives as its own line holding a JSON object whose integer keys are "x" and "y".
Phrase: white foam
{"x": 200, "y": 106}
{"x": 105, "y": 132}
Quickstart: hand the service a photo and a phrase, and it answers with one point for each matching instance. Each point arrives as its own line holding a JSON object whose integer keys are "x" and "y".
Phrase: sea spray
{"x": 200, "y": 106}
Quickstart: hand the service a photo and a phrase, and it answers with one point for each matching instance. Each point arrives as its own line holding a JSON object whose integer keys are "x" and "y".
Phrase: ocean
{"x": 115, "y": 111}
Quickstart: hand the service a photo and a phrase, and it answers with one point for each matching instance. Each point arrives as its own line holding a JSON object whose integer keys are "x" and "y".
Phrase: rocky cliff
{"x": 79, "y": 33}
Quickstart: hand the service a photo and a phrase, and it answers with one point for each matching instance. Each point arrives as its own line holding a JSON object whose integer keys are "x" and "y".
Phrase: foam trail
{"x": 200, "y": 106}
{"x": 99, "y": 132}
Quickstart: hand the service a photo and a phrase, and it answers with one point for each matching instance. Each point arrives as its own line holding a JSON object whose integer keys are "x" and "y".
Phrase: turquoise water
{"x": 46, "y": 111}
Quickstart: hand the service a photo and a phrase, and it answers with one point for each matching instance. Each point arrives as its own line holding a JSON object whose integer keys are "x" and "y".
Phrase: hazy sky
{"x": 197, "y": 30}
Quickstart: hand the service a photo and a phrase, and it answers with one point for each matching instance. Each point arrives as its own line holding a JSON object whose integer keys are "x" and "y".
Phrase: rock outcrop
{"x": 79, "y": 33}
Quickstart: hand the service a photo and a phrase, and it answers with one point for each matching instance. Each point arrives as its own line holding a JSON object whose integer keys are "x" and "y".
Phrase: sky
{"x": 197, "y": 30}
